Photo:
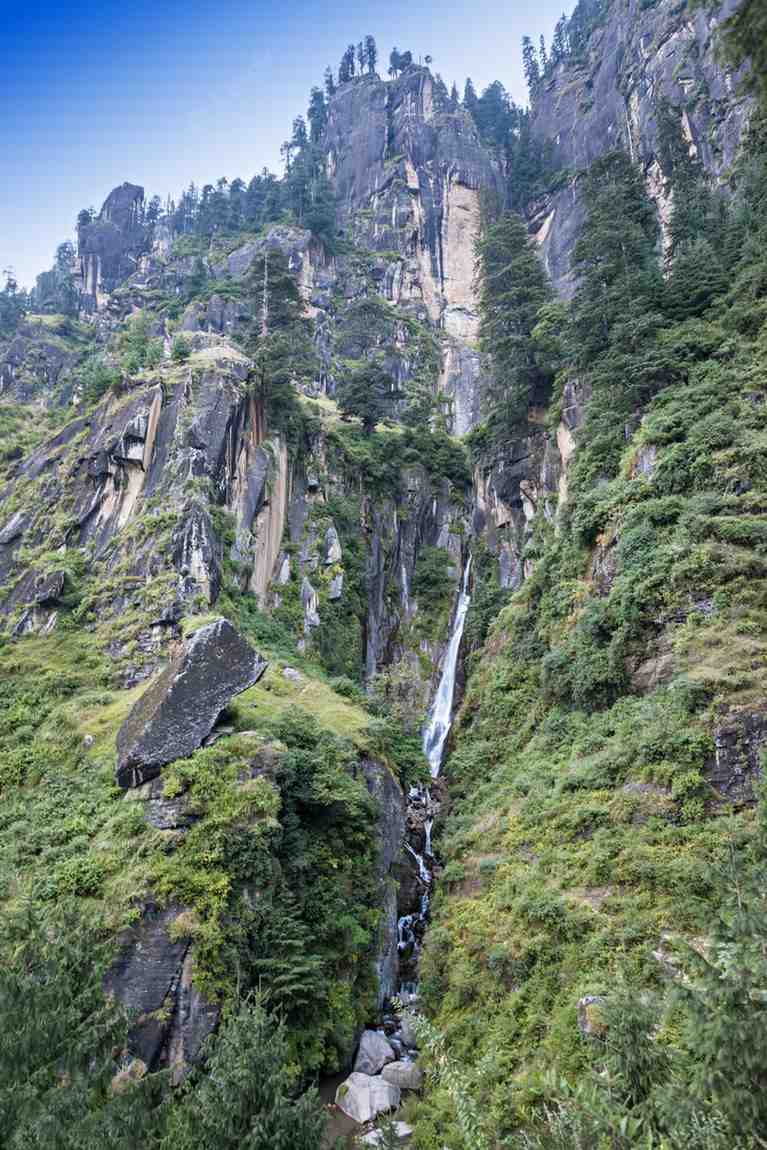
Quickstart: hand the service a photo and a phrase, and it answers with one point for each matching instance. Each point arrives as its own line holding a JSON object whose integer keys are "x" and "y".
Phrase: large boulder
{"x": 362, "y": 1097}
{"x": 373, "y": 1053}
{"x": 406, "y": 1075}
{"x": 179, "y": 710}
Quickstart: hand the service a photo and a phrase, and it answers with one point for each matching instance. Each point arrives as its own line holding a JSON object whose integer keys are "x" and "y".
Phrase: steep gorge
{"x": 580, "y": 809}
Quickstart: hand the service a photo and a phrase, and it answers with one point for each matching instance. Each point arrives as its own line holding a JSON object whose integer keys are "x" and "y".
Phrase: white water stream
{"x": 435, "y": 735}
{"x": 441, "y": 715}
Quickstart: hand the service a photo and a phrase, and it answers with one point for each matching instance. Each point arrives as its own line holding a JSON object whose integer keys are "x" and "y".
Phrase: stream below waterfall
{"x": 422, "y": 808}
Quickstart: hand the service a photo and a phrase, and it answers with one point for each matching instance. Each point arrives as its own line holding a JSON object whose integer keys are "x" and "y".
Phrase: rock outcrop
{"x": 109, "y": 247}
{"x": 152, "y": 976}
{"x": 179, "y": 710}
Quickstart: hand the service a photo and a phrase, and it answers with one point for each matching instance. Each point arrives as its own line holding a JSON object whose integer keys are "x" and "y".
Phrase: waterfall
{"x": 410, "y": 927}
{"x": 438, "y": 727}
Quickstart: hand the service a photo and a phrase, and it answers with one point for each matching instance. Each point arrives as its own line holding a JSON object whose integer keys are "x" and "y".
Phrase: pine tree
{"x": 56, "y": 1054}
{"x": 12, "y": 304}
{"x": 531, "y": 68}
{"x": 697, "y": 278}
{"x": 542, "y": 56}
{"x": 455, "y": 98}
{"x": 330, "y": 84}
{"x": 395, "y": 62}
{"x": 469, "y": 97}
{"x": 615, "y": 255}
{"x": 512, "y": 290}
{"x": 371, "y": 54}
{"x": 559, "y": 42}
{"x": 317, "y": 115}
{"x": 367, "y": 394}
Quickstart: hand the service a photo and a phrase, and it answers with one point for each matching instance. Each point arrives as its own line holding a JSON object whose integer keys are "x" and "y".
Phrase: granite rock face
{"x": 736, "y": 769}
{"x": 640, "y": 56}
{"x": 408, "y": 168}
{"x": 109, "y": 247}
{"x": 152, "y": 976}
{"x": 173, "y": 717}
{"x": 391, "y": 803}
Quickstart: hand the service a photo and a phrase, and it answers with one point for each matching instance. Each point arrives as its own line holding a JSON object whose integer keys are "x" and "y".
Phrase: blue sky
{"x": 161, "y": 92}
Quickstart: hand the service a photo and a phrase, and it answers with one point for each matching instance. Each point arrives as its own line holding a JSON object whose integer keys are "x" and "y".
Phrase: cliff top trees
{"x": 399, "y": 61}
{"x": 12, "y": 304}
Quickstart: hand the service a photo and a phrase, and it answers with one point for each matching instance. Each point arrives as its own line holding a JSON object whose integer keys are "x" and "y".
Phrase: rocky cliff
{"x": 639, "y": 57}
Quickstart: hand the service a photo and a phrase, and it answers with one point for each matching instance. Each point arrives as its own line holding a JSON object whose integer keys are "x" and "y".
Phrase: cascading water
{"x": 441, "y": 716}
{"x": 435, "y": 733}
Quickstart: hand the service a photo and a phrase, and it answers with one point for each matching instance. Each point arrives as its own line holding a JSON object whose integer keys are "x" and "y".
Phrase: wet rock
{"x": 590, "y": 1020}
{"x": 406, "y": 1075}
{"x": 363, "y": 1097}
{"x": 336, "y": 589}
{"x": 180, "y": 709}
{"x": 407, "y": 1034}
{"x": 391, "y": 830}
{"x": 736, "y": 766}
{"x": 373, "y": 1053}
{"x": 292, "y": 675}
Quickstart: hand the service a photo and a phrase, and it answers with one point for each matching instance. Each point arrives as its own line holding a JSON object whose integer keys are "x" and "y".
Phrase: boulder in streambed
{"x": 402, "y": 1132}
{"x": 406, "y": 1075}
{"x": 373, "y": 1053}
{"x": 179, "y": 710}
{"x": 362, "y": 1097}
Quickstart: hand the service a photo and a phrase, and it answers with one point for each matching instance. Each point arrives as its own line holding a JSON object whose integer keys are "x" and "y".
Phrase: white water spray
{"x": 440, "y": 718}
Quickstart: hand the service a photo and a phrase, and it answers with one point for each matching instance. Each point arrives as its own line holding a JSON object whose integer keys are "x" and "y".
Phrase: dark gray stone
{"x": 152, "y": 977}
{"x": 736, "y": 766}
{"x": 179, "y": 710}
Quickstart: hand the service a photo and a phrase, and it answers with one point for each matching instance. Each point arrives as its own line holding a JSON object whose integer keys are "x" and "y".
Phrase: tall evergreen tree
{"x": 512, "y": 290}
{"x": 248, "y": 1099}
{"x": 317, "y": 115}
{"x": 12, "y": 304}
{"x": 531, "y": 68}
{"x": 330, "y": 84}
{"x": 615, "y": 257}
{"x": 371, "y": 54}
{"x": 469, "y": 97}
